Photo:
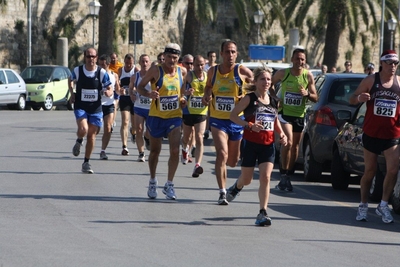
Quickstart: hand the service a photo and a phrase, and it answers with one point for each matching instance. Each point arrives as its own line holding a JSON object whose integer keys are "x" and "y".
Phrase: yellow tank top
{"x": 167, "y": 105}
{"x": 226, "y": 91}
{"x": 195, "y": 104}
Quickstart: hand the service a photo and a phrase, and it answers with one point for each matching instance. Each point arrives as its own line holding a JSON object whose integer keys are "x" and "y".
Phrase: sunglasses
{"x": 390, "y": 62}
{"x": 90, "y": 56}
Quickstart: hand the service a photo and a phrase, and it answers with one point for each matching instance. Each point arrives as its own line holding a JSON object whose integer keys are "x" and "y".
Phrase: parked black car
{"x": 348, "y": 158}
{"x": 322, "y": 121}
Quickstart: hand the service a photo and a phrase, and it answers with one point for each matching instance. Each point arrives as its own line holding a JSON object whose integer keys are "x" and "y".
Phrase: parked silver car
{"x": 12, "y": 89}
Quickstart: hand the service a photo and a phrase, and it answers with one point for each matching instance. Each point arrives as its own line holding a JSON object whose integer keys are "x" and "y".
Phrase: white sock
{"x": 153, "y": 180}
{"x": 383, "y": 203}
{"x": 223, "y": 190}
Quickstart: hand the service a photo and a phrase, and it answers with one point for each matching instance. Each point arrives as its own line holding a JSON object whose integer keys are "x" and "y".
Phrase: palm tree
{"x": 203, "y": 11}
{"x": 337, "y": 15}
{"x": 106, "y": 27}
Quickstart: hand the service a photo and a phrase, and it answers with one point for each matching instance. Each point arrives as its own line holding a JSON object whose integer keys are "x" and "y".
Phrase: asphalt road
{"x": 53, "y": 215}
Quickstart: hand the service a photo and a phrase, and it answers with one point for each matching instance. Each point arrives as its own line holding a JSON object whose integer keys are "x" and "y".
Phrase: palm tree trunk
{"x": 106, "y": 27}
{"x": 191, "y": 34}
{"x": 333, "y": 31}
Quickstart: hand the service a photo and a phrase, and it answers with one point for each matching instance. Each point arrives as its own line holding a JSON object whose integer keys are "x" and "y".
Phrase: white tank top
{"x": 142, "y": 101}
{"x": 109, "y": 100}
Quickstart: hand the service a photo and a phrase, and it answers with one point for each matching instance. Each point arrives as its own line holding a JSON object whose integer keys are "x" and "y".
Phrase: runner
{"x": 222, "y": 93}
{"x": 165, "y": 115}
{"x": 87, "y": 103}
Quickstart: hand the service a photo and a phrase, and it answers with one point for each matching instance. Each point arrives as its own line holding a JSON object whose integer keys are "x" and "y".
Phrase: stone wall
{"x": 157, "y": 32}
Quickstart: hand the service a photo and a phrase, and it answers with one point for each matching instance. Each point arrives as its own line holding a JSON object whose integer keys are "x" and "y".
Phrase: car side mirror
{"x": 344, "y": 115}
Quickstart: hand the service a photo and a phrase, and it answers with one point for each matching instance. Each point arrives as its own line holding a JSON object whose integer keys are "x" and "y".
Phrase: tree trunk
{"x": 106, "y": 27}
{"x": 333, "y": 32}
{"x": 191, "y": 32}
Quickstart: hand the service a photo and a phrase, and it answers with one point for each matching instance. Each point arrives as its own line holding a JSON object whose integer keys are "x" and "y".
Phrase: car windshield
{"x": 37, "y": 74}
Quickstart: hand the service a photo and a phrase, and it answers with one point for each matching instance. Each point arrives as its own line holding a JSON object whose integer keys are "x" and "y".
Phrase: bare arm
{"x": 312, "y": 92}
{"x": 132, "y": 88}
{"x": 208, "y": 90}
{"x": 246, "y": 74}
{"x": 362, "y": 92}
{"x": 276, "y": 78}
{"x": 151, "y": 75}
{"x": 242, "y": 105}
{"x": 117, "y": 87}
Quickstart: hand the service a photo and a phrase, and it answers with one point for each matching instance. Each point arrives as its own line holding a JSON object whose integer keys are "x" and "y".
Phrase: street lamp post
{"x": 392, "y": 23}
{"x": 94, "y": 8}
{"x": 258, "y": 19}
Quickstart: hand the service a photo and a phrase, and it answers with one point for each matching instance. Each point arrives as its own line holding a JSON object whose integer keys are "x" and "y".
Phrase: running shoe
{"x": 232, "y": 192}
{"x": 184, "y": 157}
{"x": 362, "y": 213}
{"x": 193, "y": 151}
{"x": 289, "y": 186}
{"x": 169, "y": 191}
{"x": 147, "y": 143}
{"x": 141, "y": 157}
{"x": 152, "y": 191}
{"x": 263, "y": 220}
{"x": 384, "y": 212}
{"x": 103, "y": 155}
{"x": 222, "y": 199}
{"x": 76, "y": 150}
{"x": 197, "y": 171}
{"x": 282, "y": 183}
{"x": 86, "y": 168}
{"x": 125, "y": 151}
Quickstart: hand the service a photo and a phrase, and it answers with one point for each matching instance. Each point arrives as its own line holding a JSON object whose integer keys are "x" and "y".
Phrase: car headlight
{"x": 40, "y": 87}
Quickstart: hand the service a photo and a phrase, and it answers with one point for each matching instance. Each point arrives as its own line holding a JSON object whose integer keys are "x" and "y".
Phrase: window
{"x": 341, "y": 91}
{"x": 59, "y": 74}
{"x": 3, "y": 79}
{"x": 12, "y": 78}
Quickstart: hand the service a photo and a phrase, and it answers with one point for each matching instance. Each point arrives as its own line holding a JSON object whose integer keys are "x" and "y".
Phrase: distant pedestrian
{"x": 348, "y": 67}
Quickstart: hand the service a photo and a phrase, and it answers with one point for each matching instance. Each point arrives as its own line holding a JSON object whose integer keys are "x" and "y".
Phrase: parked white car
{"x": 12, "y": 89}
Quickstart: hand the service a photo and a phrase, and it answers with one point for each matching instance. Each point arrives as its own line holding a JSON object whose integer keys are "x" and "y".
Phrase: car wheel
{"x": 312, "y": 169}
{"x": 396, "y": 197}
{"x": 48, "y": 103}
{"x": 21, "y": 102}
{"x": 339, "y": 176}
{"x": 375, "y": 192}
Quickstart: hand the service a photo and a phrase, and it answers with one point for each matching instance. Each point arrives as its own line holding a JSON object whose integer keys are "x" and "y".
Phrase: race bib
{"x": 266, "y": 120}
{"x": 195, "y": 102}
{"x": 89, "y": 95}
{"x": 168, "y": 103}
{"x": 144, "y": 100}
{"x": 292, "y": 99}
{"x": 385, "y": 107}
{"x": 225, "y": 104}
